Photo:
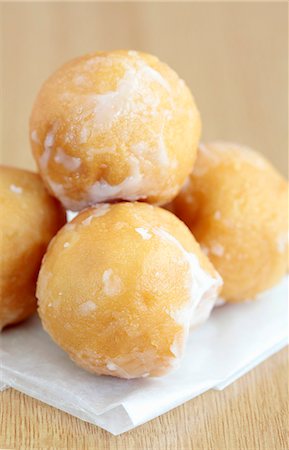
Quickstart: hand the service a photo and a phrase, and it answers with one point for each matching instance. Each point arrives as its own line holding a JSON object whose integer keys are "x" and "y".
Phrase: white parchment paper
{"x": 234, "y": 340}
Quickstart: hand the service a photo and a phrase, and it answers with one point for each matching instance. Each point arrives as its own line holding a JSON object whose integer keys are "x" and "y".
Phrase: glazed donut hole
{"x": 117, "y": 125}
{"x": 235, "y": 204}
{"x": 119, "y": 287}
{"x": 29, "y": 218}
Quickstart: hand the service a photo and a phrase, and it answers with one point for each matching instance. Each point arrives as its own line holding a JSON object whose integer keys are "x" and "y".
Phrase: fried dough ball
{"x": 114, "y": 125}
{"x": 119, "y": 286}
{"x": 29, "y": 218}
{"x": 235, "y": 204}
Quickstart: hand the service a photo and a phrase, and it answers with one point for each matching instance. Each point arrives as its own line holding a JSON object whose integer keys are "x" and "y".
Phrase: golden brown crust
{"x": 115, "y": 125}
{"x": 235, "y": 204}
{"x": 29, "y": 218}
{"x": 118, "y": 286}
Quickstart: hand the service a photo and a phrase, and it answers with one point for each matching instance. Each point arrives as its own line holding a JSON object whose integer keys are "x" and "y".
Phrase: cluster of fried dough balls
{"x": 236, "y": 205}
{"x": 119, "y": 287}
{"x": 117, "y": 125}
{"x": 121, "y": 284}
{"x": 29, "y": 218}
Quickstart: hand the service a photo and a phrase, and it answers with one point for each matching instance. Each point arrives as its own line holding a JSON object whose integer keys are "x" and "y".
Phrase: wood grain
{"x": 251, "y": 414}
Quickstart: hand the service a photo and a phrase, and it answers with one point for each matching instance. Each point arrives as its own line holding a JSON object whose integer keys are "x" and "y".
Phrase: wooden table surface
{"x": 234, "y": 57}
{"x": 252, "y": 414}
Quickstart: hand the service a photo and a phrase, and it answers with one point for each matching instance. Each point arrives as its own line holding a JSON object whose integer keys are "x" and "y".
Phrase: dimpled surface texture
{"x": 235, "y": 203}
{"x": 118, "y": 288}
{"x": 29, "y": 218}
{"x": 117, "y": 125}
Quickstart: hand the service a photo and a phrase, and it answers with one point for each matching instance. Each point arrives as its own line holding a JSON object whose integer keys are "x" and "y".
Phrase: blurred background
{"x": 233, "y": 56}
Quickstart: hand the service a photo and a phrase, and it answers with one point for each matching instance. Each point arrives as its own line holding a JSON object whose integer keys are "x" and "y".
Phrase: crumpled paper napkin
{"x": 234, "y": 340}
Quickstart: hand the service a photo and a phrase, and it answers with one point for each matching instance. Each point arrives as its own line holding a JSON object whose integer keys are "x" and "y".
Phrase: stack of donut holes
{"x": 164, "y": 227}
